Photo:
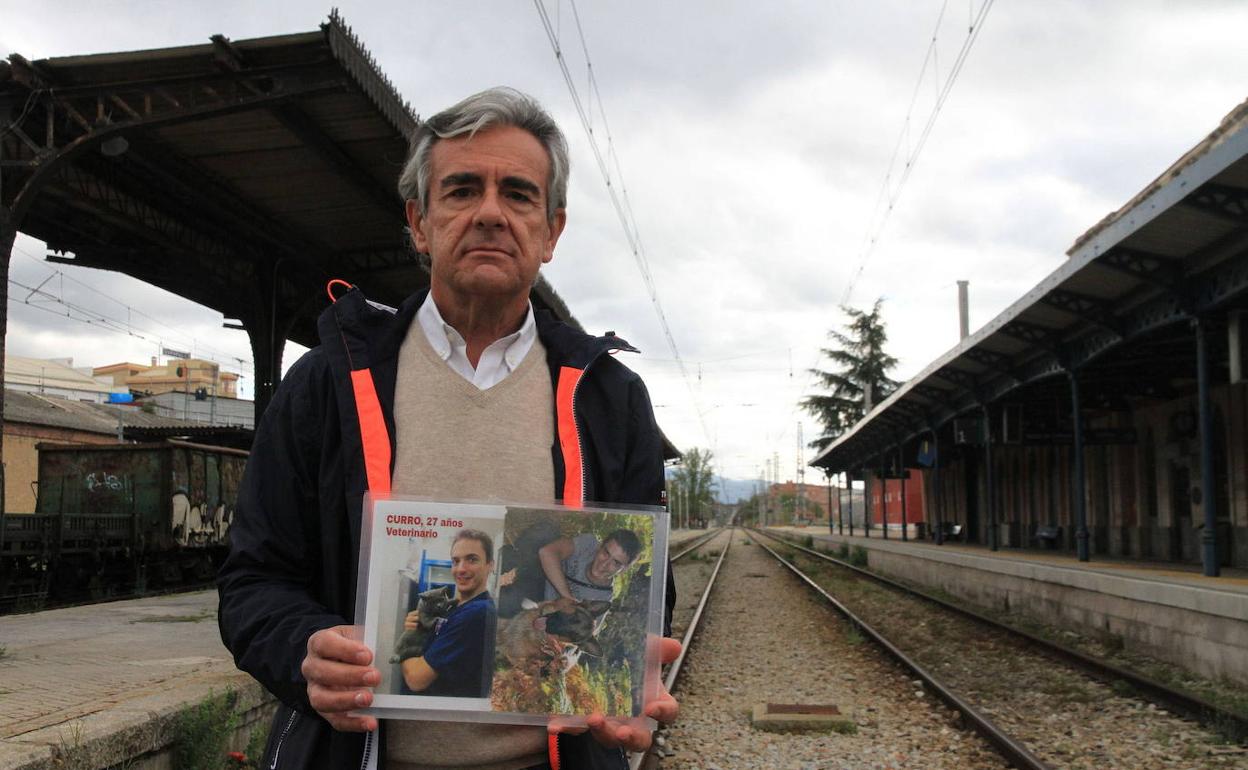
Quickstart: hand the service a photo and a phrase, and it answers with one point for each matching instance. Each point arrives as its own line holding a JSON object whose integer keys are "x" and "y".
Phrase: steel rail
{"x": 1014, "y": 751}
{"x": 1190, "y": 705}
{"x": 698, "y": 542}
{"x": 686, "y": 641}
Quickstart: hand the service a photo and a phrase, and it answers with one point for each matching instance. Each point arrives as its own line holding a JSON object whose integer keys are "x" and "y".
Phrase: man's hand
{"x": 338, "y": 673}
{"x": 613, "y": 733}
{"x": 411, "y": 621}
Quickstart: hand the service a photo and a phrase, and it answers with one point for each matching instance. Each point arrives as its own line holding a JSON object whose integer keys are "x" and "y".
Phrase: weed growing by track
{"x": 201, "y": 731}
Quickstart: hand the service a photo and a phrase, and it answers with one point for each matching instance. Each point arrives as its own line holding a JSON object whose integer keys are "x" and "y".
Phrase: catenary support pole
{"x": 1208, "y": 498}
{"x": 1079, "y": 481}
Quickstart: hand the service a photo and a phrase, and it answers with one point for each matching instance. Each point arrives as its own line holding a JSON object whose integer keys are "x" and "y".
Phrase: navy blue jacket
{"x": 294, "y": 540}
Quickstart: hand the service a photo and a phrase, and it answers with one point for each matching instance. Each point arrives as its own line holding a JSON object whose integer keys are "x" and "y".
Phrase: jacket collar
{"x": 358, "y": 333}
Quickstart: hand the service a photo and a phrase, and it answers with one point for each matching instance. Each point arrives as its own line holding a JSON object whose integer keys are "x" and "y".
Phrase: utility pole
{"x": 800, "y": 504}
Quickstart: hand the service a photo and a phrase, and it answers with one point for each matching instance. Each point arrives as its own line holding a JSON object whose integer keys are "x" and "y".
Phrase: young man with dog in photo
{"x": 544, "y": 565}
{"x": 463, "y": 392}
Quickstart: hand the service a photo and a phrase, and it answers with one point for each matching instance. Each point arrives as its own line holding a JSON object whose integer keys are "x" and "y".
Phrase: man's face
{"x": 608, "y": 562}
{"x": 486, "y": 228}
{"x": 470, "y": 567}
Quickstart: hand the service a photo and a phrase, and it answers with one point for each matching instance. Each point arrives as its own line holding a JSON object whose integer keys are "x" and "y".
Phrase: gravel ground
{"x": 691, "y": 574}
{"x": 766, "y": 638}
{"x": 1066, "y": 718}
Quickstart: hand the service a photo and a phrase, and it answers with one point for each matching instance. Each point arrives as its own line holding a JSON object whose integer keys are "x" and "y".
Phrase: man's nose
{"x": 490, "y": 211}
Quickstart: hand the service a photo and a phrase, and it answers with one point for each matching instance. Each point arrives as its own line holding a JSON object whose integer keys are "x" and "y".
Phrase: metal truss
{"x": 59, "y": 121}
{"x": 1229, "y": 204}
{"x": 1162, "y": 272}
{"x": 1089, "y": 309}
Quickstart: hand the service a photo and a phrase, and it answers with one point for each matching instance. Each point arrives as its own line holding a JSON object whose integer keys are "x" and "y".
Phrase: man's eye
{"x": 460, "y": 192}
{"x": 517, "y": 195}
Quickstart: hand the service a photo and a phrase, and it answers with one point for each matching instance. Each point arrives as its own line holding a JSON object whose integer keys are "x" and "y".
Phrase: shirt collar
{"x": 446, "y": 340}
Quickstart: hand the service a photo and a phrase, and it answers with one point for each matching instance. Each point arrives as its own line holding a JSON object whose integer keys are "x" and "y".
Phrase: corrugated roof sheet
{"x": 34, "y": 409}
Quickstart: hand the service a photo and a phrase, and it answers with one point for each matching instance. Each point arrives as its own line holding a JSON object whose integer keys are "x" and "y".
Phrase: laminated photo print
{"x": 517, "y": 613}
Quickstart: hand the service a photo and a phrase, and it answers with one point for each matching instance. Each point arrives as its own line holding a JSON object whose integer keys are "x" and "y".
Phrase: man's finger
{"x": 330, "y": 700}
{"x": 335, "y": 644}
{"x": 329, "y": 673}
{"x": 669, "y": 649}
{"x": 663, "y": 709}
{"x": 350, "y": 724}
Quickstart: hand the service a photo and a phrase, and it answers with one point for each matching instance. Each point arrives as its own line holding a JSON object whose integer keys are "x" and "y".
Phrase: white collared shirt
{"x": 497, "y": 361}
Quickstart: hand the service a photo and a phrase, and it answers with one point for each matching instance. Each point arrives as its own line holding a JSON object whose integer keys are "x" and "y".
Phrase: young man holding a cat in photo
{"x": 458, "y": 660}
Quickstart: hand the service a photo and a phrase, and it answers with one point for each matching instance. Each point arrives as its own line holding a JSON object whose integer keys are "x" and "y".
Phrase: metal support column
{"x": 1079, "y": 481}
{"x": 937, "y": 505}
{"x": 8, "y": 233}
{"x": 901, "y": 471}
{"x": 866, "y": 501}
{"x": 884, "y": 493}
{"x": 828, "y": 475}
{"x": 990, "y": 480}
{"x": 840, "y": 507}
{"x": 849, "y": 477}
{"x": 1208, "y": 498}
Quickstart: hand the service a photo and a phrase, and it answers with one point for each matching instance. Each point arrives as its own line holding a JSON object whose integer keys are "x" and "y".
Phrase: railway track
{"x": 764, "y": 640}
{"x": 1042, "y": 705}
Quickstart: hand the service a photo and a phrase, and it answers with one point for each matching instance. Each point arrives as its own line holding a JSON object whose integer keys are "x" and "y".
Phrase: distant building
{"x": 31, "y": 418}
{"x": 56, "y": 377}
{"x": 203, "y": 408}
{"x": 189, "y": 375}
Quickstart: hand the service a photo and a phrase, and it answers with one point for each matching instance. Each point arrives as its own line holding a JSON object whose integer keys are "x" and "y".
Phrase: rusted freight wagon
{"x": 120, "y": 519}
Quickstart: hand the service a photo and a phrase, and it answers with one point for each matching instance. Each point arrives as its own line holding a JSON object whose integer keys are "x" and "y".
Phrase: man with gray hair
{"x": 465, "y": 391}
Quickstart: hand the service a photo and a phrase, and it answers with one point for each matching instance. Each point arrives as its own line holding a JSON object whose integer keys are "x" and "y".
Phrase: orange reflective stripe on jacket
{"x": 374, "y": 437}
{"x": 569, "y": 441}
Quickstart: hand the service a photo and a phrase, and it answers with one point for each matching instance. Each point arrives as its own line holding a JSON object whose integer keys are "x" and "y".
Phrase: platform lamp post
{"x": 1208, "y": 500}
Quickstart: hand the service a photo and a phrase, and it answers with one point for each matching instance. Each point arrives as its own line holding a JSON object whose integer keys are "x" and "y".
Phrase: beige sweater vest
{"x": 456, "y": 441}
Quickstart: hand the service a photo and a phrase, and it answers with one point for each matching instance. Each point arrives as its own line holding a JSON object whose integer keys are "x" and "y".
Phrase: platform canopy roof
{"x": 239, "y": 174}
{"x": 1118, "y": 314}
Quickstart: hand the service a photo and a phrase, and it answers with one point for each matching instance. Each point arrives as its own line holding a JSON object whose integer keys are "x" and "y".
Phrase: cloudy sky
{"x": 754, "y": 140}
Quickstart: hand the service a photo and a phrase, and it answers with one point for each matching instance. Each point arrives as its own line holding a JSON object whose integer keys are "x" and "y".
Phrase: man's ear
{"x": 415, "y": 221}
{"x": 557, "y": 223}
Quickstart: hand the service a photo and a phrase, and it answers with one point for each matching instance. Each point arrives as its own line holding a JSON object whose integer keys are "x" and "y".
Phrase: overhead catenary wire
{"x": 618, "y": 193}
{"x": 887, "y": 198}
{"x": 92, "y": 316}
{"x": 890, "y": 197}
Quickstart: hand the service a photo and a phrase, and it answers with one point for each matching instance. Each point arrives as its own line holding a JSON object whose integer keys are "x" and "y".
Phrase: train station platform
{"x": 1167, "y": 611}
{"x": 103, "y": 684}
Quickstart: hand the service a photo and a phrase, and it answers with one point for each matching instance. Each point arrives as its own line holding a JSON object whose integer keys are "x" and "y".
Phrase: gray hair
{"x": 496, "y": 106}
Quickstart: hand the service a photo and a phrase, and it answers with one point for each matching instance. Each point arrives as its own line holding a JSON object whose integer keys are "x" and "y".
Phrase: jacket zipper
{"x": 576, "y": 424}
{"x": 277, "y": 750}
{"x": 366, "y": 763}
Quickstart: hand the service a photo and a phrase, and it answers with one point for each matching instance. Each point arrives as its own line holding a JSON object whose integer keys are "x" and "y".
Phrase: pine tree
{"x": 861, "y": 380}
